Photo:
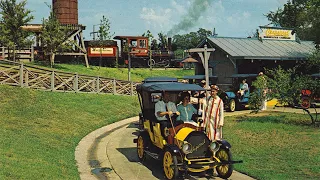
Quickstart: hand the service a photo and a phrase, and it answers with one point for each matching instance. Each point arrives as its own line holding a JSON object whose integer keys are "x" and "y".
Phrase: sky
{"x": 230, "y": 18}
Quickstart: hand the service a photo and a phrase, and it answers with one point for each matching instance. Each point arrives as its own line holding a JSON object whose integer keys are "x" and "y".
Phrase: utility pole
{"x": 129, "y": 63}
{"x": 204, "y": 54}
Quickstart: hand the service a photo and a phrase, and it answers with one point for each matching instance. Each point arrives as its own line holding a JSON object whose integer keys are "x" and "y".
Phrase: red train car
{"x": 110, "y": 52}
{"x": 102, "y": 53}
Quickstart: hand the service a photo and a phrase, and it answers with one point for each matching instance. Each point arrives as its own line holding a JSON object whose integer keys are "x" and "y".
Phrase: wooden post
{"x": 84, "y": 49}
{"x": 129, "y": 65}
{"x": 98, "y": 85}
{"x": 206, "y": 66}
{"x": 131, "y": 89}
{"x": 26, "y": 79}
{"x": 117, "y": 57}
{"x": 21, "y": 75}
{"x": 3, "y": 53}
{"x": 114, "y": 86}
{"x": 52, "y": 81}
{"x": 76, "y": 82}
{"x": 32, "y": 54}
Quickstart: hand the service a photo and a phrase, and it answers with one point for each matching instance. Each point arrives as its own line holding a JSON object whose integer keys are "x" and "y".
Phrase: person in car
{"x": 164, "y": 110}
{"x": 243, "y": 87}
{"x": 186, "y": 109}
{"x": 213, "y": 115}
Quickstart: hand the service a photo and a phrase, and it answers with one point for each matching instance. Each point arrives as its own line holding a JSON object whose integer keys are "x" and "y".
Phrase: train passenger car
{"x": 111, "y": 52}
{"x": 103, "y": 53}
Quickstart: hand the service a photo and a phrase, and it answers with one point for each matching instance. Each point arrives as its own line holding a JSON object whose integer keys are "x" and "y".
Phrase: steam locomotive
{"x": 107, "y": 53}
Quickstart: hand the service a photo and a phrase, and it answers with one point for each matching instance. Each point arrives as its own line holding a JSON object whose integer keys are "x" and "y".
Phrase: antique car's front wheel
{"x": 224, "y": 171}
{"x": 141, "y": 144}
{"x": 170, "y": 167}
{"x": 232, "y": 105}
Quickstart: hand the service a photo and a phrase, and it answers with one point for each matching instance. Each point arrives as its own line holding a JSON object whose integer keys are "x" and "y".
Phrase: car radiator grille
{"x": 200, "y": 143}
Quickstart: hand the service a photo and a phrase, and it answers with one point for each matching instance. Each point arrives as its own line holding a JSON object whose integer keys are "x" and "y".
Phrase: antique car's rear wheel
{"x": 141, "y": 144}
{"x": 170, "y": 167}
{"x": 232, "y": 105}
{"x": 224, "y": 171}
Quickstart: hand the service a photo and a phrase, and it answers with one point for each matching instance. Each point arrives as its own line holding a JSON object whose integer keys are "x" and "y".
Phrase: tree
{"x": 104, "y": 29}
{"x": 150, "y": 41}
{"x": 190, "y": 40}
{"x": 54, "y": 37}
{"x": 104, "y": 35}
{"x": 13, "y": 16}
{"x": 163, "y": 42}
{"x": 302, "y": 15}
{"x": 259, "y": 94}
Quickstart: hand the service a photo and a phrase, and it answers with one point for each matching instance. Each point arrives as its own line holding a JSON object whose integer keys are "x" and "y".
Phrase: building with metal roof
{"x": 251, "y": 55}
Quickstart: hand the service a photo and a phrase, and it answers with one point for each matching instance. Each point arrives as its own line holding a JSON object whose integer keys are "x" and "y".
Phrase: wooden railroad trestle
{"x": 19, "y": 74}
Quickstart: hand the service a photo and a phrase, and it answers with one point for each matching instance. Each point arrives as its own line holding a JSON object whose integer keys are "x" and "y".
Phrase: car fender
{"x": 230, "y": 94}
{"x": 173, "y": 148}
{"x": 224, "y": 144}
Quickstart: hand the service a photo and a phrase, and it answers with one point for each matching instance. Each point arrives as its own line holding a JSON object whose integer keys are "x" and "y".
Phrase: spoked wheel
{"x": 170, "y": 167}
{"x": 232, "y": 105}
{"x": 151, "y": 63}
{"x": 224, "y": 171}
{"x": 141, "y": 144}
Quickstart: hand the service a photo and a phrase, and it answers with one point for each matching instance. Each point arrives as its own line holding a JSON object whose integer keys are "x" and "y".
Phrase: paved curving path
{"x": 112, "y": 148}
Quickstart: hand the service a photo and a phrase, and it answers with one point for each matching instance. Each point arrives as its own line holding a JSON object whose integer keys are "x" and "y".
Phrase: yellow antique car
{"x": 182, "y": 148}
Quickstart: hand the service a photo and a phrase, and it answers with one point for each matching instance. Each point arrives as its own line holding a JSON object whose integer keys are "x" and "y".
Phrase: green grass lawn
{"x": 40, "y": 130}
{"x": 275, "y": 145}
{"x": 137, "y": 74}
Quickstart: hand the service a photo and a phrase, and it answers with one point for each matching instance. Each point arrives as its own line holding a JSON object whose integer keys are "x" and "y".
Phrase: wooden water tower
{"x": 66, "y": 12}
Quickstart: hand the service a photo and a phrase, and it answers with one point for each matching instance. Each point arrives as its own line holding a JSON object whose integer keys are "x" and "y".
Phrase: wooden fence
{"x": 19, "y": 74}
{"x": 25, "y": 54}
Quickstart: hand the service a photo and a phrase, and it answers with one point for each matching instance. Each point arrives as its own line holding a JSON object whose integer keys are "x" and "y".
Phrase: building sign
{"x": 277, "y": 33}
{"x": 104, "y": 51}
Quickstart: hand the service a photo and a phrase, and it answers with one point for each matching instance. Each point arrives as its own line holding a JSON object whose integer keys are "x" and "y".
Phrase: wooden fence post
{"x": 114, "y": 86}
{"x": 32, "y": 54}
{"x": 52, "y": 81}
{"x": 76, "y": 83}
{"x": 131, "y": 89}
{"x": 98, "y": 85}
{"x": 26, "y": 79}
{"x": 21, "y": 75}
{"x": 3, "y": 53}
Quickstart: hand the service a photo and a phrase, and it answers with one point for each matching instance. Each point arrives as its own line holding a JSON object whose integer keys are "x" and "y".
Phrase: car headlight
{"x": 186, "y": 148}
{"x": 214, "y": 146}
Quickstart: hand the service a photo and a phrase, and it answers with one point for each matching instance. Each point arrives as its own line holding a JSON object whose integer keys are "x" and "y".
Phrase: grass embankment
{"x": 40, "y": 130}
{"x": 137, "y": 74}
{"x": 275, "y": 145}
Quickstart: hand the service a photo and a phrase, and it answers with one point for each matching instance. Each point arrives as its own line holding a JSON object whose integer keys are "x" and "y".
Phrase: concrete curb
{"x": 89, "y": 144}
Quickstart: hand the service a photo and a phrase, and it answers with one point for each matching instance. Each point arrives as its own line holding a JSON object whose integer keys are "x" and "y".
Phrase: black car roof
{"x": 168, "y": 86}
{"x": 160, "y": 79}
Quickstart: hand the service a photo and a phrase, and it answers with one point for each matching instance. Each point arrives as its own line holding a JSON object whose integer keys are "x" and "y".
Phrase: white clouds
{"x": 179, "y": 8}
{"x": 156, "y": 18}
{"x": 238, "y": 18}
